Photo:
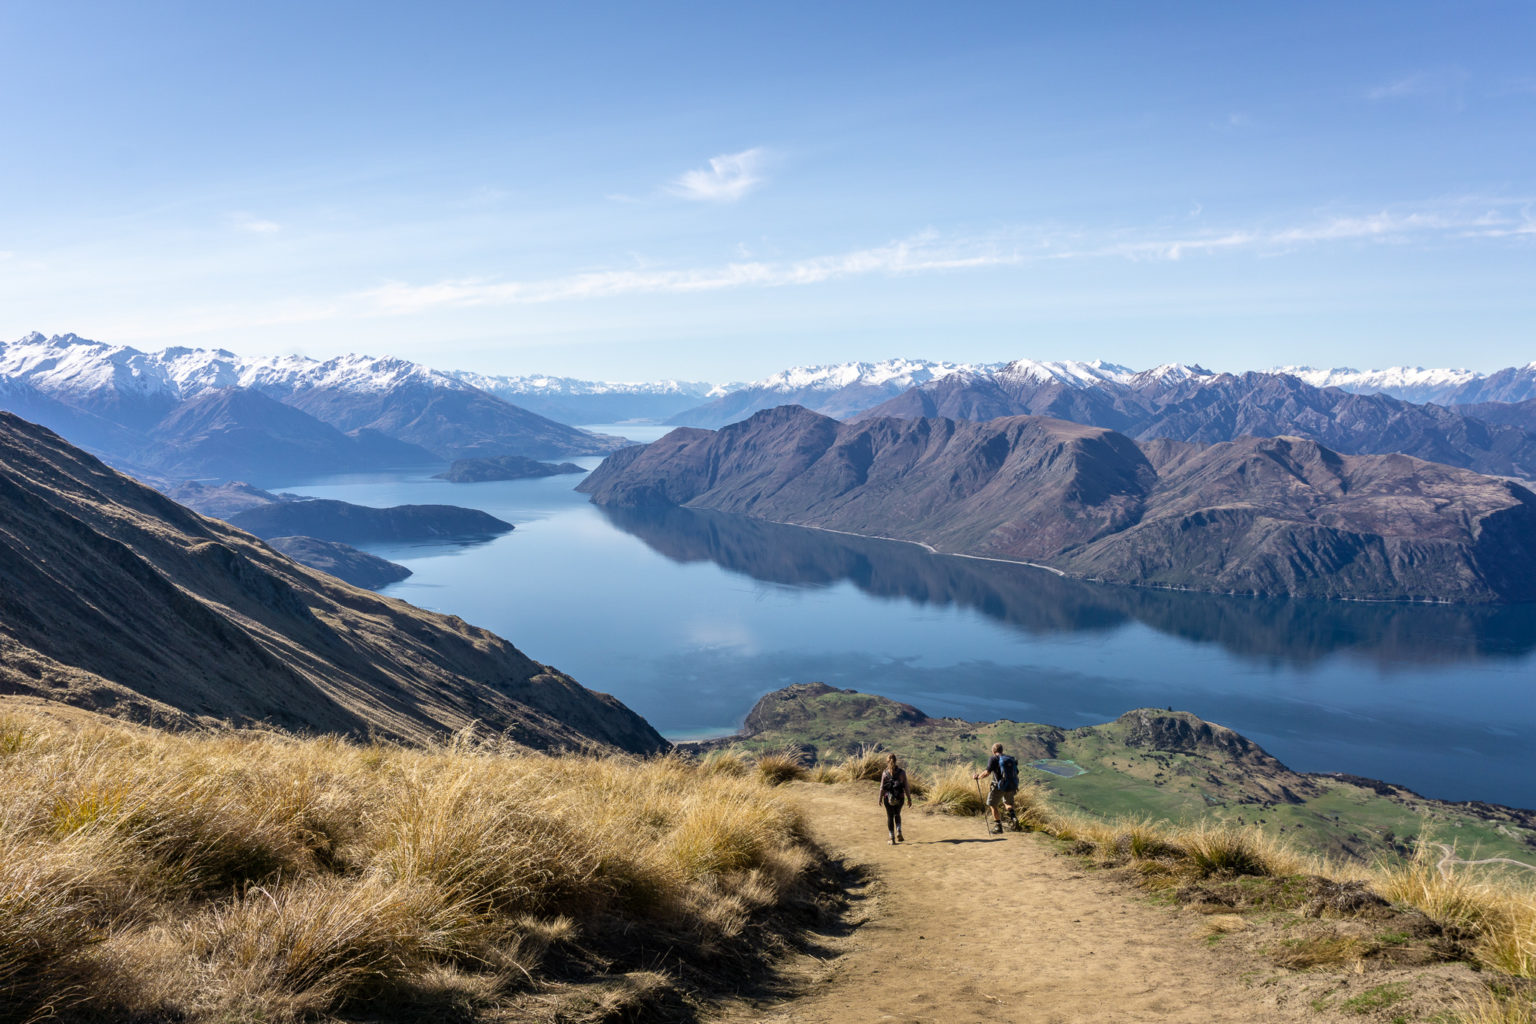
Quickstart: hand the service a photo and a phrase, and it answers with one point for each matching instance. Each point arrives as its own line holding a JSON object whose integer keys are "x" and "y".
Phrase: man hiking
{"x": 1004, "y": 769}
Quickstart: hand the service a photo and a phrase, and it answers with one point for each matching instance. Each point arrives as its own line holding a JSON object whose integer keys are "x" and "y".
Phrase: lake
{"x": 689, "y": 617}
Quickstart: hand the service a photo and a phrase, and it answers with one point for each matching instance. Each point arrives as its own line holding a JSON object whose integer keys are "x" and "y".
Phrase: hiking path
{"x": 956, "y": 925}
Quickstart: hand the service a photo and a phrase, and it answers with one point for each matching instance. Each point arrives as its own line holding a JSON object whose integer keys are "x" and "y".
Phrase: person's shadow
{"x": 988, "y": 839}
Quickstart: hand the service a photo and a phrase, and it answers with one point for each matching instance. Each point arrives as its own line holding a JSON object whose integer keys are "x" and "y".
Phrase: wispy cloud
{"x": 727, "y": 178}
{"x": 1458, "y": 221}
{"x": 255, "y": 225}
{"x": 931, "y": 252}
{"x": 1444, "y": 85}
{"x": 919, "y": 254}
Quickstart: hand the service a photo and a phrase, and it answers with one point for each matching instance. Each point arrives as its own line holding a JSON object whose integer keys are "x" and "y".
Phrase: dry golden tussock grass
{"x": 778, "y": 769}
{"x": 256, "y": 876}
{"x": 1492, "y": 1009}
{"x": 864, "y": 766}
{"x": 1502, "y": 915}
{"x": 954, "y": 791}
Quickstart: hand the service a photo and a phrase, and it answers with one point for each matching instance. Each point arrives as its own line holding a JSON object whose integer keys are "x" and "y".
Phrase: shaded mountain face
{"x": 114, "y": 597}
{"x": 1275, "y": 516}
{"x": 236, "y": 432}
{"x": 1210, "y": 408}
{"x": 451, "y": 422}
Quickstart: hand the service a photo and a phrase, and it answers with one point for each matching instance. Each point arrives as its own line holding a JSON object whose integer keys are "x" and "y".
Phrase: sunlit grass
{"x": 256, "y": 876}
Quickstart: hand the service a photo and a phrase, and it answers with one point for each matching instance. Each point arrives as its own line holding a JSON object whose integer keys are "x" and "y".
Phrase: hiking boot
{"x": 899, "y": 837}
{"x": 996, "y": 828}
{"x": 893, "y": 840}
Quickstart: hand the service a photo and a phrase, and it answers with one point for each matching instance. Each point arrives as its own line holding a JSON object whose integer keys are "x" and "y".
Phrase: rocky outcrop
{"x": 802, "y": 705}
{"x": 1256, "y": 516}
{"x": 1179, "y": 732}
{"x": 115, "y": 598}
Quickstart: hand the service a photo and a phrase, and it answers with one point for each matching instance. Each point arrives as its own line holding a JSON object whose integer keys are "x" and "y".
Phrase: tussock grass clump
{"x": 263, "y": 877}
{"x": 954, "y": 791}
{"x": 1220, "y": 849}
{"x": 1502, "y": 916}
{"x": 724, "y": 762}
{"x": 778, "y": 769}
{"x": 1490, "y": 1009}
{"x": 865, "y": 765}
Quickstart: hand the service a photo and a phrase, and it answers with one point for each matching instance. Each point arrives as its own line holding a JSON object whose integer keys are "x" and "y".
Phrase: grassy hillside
{"x": 1161, "y": 764}
{"x": 148, "y": 876}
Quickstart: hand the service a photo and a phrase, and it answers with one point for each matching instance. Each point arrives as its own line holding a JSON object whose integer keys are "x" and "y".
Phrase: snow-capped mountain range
{"x": 68, "y": 366}
{"x": 210, "y": 412}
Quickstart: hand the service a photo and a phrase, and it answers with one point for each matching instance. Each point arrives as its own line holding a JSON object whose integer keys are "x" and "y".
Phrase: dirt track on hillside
{"x": 961, "y": 926}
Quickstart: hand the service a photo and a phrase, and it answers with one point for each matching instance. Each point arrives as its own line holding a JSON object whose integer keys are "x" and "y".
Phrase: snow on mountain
{"x": 1071, "y": 372}
{"x": 545, "y": 384}
{"x": 68, "y": 366}
{"x": 1410, "y": 383}
{"x": 891, "y": 374}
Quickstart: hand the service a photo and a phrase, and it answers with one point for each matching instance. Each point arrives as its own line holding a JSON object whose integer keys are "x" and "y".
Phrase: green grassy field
{"x": 1151, "y": 763}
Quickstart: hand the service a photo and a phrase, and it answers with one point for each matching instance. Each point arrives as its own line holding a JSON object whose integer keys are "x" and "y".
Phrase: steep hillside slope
{"x": 1256, "y": 516}
{"x": 114, "y": 597}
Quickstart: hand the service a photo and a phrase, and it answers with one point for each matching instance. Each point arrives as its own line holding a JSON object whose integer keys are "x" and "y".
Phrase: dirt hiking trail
{"x": 955, "y": 925}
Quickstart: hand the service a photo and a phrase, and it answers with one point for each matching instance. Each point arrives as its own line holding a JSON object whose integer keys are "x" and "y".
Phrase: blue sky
{"x": 718, "y": 191}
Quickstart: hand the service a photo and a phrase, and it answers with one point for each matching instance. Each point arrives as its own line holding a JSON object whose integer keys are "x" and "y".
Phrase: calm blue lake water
{"x": 690, "y": 617}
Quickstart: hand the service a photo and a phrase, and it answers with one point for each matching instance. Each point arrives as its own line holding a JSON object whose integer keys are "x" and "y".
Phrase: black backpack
{"x": 1008, "y": 772}
{"x": 891, "y": 786}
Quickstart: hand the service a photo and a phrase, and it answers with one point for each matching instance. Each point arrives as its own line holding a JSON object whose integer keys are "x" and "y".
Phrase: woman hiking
{"x": 894, "y": 793}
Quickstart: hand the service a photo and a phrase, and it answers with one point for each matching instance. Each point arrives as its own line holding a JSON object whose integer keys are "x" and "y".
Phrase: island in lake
{"x": 503, "y": 467}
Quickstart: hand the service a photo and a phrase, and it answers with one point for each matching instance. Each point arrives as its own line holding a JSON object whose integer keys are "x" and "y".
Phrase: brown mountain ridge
{"x": 1275, "y": 516}
{"x": 115, "y": 598}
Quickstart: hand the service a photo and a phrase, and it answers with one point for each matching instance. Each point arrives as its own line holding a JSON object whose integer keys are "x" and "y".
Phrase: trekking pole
{"x": 983, "y": 805}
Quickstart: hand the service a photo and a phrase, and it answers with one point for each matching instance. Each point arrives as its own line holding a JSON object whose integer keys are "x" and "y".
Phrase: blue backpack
{"x": 1008, "y": 772}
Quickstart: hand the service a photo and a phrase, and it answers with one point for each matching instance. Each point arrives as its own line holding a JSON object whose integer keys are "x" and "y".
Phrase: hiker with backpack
{"x": 1004, "y": 769}
{"x": 893, "y": 793}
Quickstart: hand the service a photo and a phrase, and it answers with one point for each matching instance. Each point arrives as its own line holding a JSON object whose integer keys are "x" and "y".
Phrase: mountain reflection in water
{"x": 1038, "y": 602}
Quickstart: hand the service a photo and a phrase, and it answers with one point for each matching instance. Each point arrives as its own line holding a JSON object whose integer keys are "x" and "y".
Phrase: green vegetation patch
{"x": 1377, "y": 998}
{"x": 1056, "y": 766}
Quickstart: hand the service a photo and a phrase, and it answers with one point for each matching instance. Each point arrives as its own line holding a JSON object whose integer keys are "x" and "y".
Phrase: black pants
{"x": 893, "y": 818}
